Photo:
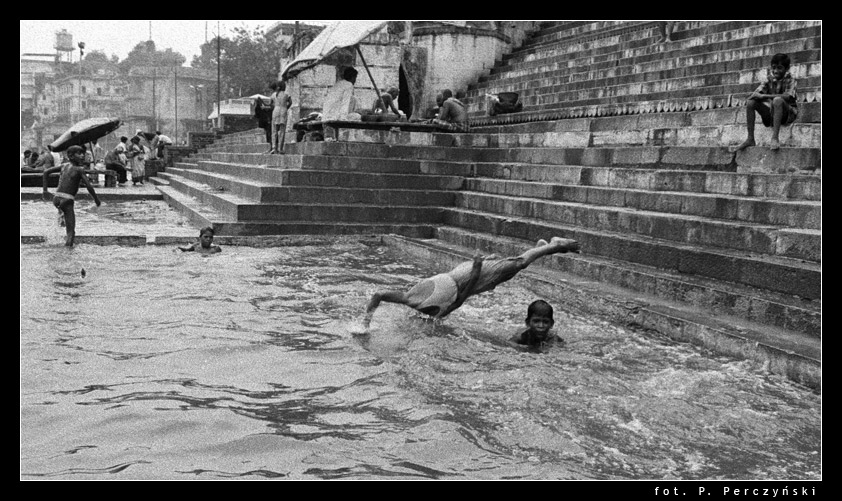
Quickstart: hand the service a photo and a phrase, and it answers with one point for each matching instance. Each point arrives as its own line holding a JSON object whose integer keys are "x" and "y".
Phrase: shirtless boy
{"x": 439, "y": 295}
{"x": 72, "y": 175}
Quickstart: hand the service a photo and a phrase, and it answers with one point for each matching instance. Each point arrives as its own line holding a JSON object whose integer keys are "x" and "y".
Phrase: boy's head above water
{"x": 206, "y": 236}
{"x": 539, "y": 317}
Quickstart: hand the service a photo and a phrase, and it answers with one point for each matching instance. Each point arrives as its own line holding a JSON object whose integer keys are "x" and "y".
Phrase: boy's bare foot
{"x": 746, "y": 144}
{"x": 566, "y": 244}
{"x": 775, "y": 145}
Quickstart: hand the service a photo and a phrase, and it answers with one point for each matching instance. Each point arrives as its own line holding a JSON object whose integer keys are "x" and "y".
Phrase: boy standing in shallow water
{"x": 204, "y": 245}
{"x": 72, "y": 175}
{"x": 538, "y": 334}
{"x": 774, "y": 100}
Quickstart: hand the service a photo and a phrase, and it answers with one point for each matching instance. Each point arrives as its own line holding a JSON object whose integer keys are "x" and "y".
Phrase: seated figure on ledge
{"x": 502, "y": 103}
{"x": 453, "y": 113}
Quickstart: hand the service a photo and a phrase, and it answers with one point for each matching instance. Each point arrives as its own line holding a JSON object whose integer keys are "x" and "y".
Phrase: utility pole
{"x": 154, "y": 96}
{"x": 218, "y": 76}
{"x": 176, "y": 104}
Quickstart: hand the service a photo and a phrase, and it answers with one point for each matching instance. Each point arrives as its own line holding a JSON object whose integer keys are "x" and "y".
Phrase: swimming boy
{"x": 72, "y": 175}
{"x": 205, "y": 244}
{"x": 538, "y": 334}
{"x": 775, "y": 100}
{"x": 439, "y": 295}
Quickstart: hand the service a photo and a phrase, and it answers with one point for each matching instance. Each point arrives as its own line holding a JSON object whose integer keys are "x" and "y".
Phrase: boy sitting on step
{"x": 439, "y": 295}
{"x": 774, "y": 100}
{"x": 538, "y": 334}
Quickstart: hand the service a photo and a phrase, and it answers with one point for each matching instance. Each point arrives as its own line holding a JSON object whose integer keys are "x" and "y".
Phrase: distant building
{"x": 171, "y": 99}
{"x": 293, "y": 37}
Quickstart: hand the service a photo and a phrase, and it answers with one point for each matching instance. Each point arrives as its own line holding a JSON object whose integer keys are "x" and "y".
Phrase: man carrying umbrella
{"x": 72, "y": 175}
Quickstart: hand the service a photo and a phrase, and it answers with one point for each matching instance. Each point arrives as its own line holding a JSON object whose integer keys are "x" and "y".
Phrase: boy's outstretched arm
{"x": 465, "y": 292}
{"x": 46, "y": 176}
{"x": 376, "y": 298}
{"x": 84, "y": 180}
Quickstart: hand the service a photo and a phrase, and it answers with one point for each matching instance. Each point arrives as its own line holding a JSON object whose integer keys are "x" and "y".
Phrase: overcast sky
{"x": 120, "y": 37}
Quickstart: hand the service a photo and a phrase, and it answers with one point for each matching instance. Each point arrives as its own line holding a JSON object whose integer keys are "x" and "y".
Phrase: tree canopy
{"x": 146, "y": 54}
{"x": 250, "y": 61}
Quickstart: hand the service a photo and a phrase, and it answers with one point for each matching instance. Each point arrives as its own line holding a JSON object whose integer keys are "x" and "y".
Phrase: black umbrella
{"x": 86, "y": 131}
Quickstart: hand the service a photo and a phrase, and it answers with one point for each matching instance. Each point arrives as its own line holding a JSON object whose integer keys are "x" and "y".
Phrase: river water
{"x": 164, "y": 365}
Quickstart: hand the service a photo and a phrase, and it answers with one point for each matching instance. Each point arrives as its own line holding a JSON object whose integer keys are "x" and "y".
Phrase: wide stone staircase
{"x": 622, "y": 145}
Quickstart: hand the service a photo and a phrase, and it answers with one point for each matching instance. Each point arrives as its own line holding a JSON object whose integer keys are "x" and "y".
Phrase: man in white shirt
{"x": 340, "y": 103}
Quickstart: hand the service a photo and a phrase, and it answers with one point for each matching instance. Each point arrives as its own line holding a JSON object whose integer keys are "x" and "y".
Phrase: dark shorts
{"x": 61, "y": 202}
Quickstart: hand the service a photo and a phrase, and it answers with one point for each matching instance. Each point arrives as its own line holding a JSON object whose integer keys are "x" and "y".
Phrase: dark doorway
{"x": 404, "y": 96}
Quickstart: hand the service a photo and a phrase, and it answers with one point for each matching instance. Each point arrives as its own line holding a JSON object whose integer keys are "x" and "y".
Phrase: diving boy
{"x": 775, "y": 100}
{"x": 439, "y": 295}
{"x": 72, "y": 175}
{"x": 538, "y": 334}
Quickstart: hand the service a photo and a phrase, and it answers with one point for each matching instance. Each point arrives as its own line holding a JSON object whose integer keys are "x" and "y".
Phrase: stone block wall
{"x": 439, "y": 57}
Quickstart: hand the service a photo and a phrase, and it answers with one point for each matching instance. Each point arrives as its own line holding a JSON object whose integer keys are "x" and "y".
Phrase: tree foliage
{"x": 250, "y": 61}
{"x": 146, "y": 54}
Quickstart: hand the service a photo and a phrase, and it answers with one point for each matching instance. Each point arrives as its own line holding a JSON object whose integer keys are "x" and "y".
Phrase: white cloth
{"x": 339, "y": 101}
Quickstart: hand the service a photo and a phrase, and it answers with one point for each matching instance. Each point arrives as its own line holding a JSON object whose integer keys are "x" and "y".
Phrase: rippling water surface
{"x": 165, "y": 365}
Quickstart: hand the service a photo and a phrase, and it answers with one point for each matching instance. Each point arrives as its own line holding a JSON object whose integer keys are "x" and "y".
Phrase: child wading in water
{"x": 72, "y": 175}
{"x": 538, "y": 334}
{"x": 441, "y": 294}
{"x": 205, "y": 244}
{"x": 774, "y": 100}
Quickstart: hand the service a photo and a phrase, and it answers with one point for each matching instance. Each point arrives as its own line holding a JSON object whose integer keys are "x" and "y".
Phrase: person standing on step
{"x": 281, "y": 102}
{"x": 263, "y": 114}
{"x": 439, "y": 295}
{"x": 775, "y": 100}
{"x": 72, "y": 176}
{"x": 135, "y": 155}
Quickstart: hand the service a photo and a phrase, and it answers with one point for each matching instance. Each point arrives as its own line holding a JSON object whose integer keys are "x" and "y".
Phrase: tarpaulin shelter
{"x": 330, "y": 42}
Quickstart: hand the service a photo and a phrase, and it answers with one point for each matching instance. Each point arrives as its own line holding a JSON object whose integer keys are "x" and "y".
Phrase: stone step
{"x": 639, "y": 44}
{"x": 772, "y": 273}
{"x": 237, "y": 208}
{"x": 680, "y": 102}
{"x": 665, "y": 75}
{"x": 571, "y": 31}
{"x": 770, "y": 186}
{"x": 331, "y": 178}
{"x": 263, "y": 192}
{"x": 796, "y": 356}
{"x": 808, "y": 113}
{"x": 690, "y": 87}
{"x": 718, "y": 297}
{"x": 755, "y": 238}
{"x": 798, "y": 135}
{"x": 450, "y": 175}
{"x": 638, "y": 31}
{"x": 202, "y": 215}
{"x": 696, "y": 51}
{"x": 755, "y": 57}
{"x": 793, "y": 214}
{"x": 652, "y": 157}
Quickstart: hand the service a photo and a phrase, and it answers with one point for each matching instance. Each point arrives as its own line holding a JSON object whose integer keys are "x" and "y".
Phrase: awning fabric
{"x": 333, "y": 38}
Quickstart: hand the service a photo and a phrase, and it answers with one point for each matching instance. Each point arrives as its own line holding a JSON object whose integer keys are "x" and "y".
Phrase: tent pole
{"x": 379, "y": 98}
